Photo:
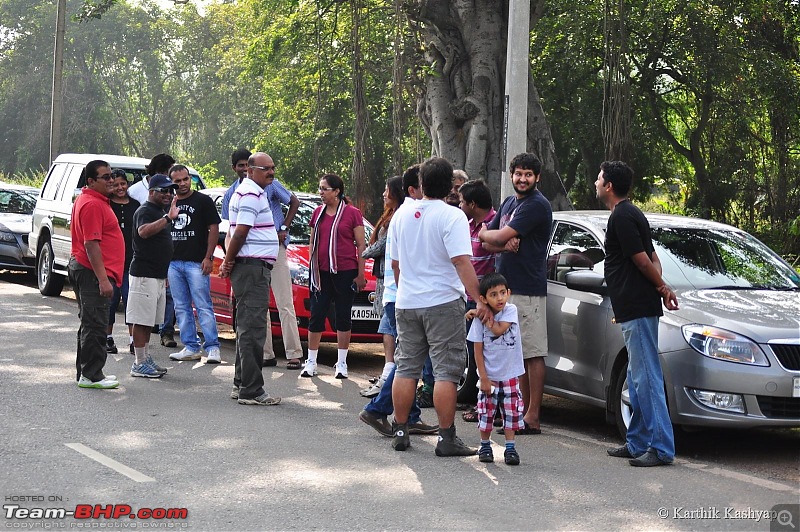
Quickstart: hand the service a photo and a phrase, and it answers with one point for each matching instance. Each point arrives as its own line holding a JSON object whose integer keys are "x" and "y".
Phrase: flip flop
{"x": 528, "y": 429}
{"x": 470, "y": 416}
{"x": 293, "y": 365}
{"x": 523, "y": 431}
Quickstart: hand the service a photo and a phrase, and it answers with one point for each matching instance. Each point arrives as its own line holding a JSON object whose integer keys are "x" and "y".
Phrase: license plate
{"x": 364, "y": 313}
{"x": 796, "y": 387}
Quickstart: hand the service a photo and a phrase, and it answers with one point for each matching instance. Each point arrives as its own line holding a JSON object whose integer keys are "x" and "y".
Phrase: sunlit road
{"x": 181, "y": 443}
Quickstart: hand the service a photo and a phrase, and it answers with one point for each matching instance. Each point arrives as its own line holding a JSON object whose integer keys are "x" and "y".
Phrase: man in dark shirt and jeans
{"x": 633, "y": 275}
{"x": 152, "y": 252}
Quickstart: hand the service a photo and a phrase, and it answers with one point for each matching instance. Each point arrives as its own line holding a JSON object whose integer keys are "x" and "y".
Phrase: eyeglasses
{"x": 265, "y": 168}
{"x": 105, "y": 177}
{"x": 325, "y": 189}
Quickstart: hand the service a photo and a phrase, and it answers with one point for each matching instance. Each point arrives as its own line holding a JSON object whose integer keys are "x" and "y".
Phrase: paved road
{"x": 179, "y": 442}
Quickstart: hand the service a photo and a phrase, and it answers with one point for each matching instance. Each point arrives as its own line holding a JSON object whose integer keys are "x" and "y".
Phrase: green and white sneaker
{"x": 105, "y": 384}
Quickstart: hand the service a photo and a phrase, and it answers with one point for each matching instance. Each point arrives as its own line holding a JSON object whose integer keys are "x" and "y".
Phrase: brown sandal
{"x": 470, "y": 416}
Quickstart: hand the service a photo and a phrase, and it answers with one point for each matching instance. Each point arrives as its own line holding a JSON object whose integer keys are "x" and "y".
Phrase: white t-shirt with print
{"x": 502, "y": 355}
{"x": 423, "y": 237}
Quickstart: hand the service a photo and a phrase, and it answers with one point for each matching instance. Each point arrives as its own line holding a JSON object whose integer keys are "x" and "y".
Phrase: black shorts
{"x": 337, "y": 289}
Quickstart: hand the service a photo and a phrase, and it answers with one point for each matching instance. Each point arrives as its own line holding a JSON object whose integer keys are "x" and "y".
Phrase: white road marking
{"x": 110, "y": 462}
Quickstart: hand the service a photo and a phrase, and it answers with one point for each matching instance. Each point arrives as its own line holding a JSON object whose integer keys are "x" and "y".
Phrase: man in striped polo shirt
{"x": 252, "y": 248}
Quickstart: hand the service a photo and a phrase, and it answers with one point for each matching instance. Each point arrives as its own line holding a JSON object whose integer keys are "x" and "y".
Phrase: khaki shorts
{"x": 147, "y": 300}
{"x": 532, "y": 313}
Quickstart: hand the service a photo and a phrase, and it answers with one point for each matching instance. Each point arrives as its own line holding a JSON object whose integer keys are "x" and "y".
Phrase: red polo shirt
{"x": 93, "y": 219}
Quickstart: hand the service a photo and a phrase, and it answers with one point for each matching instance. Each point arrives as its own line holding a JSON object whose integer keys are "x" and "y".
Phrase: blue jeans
{"x": 168, "y": 326}
{"x": 120, "y": 294}
{"x": 381, "y": 405}
{"x": 189, "y": 285}
{"x": 650, "y": 426}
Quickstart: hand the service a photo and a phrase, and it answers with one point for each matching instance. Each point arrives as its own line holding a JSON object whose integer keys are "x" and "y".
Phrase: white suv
{"x": 50, "y": 234}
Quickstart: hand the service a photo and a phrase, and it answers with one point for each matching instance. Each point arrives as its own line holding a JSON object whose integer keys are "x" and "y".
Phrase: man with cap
{"x": 152, "y": 252}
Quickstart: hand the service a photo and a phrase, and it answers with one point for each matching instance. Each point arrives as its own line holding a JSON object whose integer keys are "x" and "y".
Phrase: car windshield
{"x": 17, "y": 202}
{"x": 711, "y": 258}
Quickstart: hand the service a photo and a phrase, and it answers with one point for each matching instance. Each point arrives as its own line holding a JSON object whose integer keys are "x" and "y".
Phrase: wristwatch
{"x": 283, "y": 228}
{"x": 167, "y": 218}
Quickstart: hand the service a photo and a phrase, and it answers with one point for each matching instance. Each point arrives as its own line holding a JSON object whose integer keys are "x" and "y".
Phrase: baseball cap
{"x": 161, "y": 181}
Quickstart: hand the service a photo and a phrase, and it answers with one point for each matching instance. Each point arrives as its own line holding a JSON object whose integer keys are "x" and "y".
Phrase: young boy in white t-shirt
{"x": 498, "y": 359}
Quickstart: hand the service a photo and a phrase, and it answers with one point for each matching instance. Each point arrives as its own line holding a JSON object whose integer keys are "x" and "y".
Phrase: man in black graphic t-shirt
{"x": 194, "y": 237}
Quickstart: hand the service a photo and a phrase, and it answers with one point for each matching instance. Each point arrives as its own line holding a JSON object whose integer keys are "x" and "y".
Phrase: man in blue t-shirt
{"x": 519, "y": 233}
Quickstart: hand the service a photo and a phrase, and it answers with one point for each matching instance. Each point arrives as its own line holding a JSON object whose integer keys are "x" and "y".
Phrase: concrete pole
{"x": 58, "y": 68}
{"x": 515, "y": 120}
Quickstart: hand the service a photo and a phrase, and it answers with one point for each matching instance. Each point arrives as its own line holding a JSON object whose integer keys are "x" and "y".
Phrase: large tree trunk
{"x": 464, "y": 44}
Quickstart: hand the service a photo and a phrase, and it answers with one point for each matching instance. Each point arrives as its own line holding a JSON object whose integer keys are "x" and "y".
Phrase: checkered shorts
{"x": 508, "y": 399}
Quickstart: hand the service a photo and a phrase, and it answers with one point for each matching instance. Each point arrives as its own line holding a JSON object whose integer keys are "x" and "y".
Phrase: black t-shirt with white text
{"x": 190, "y": 230}
{"x": 632, "y": 295}
{"x": 151, "y": 256}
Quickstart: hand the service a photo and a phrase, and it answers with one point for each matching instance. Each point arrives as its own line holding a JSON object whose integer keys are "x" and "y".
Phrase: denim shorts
{"x": 388, "y": 324}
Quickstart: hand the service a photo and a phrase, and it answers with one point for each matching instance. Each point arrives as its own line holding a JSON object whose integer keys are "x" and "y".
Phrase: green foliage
{"x": 30, "y": 178}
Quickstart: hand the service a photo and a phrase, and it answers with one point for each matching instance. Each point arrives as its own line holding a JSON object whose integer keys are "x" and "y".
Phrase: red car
{"x": 365, "y": 320}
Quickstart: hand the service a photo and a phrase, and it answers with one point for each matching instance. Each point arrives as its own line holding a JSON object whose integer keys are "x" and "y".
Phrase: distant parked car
{"x": 730, "y": 354}
{"x": 16, "y": 209}
{"x": 365, "y": 320}
{"x": 50, "y": 234}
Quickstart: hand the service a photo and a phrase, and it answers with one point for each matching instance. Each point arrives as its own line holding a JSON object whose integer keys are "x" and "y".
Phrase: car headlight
{"x": 724, "y": 345}
{"x": 7, "y": 237}
{"x": 300, "y": 275}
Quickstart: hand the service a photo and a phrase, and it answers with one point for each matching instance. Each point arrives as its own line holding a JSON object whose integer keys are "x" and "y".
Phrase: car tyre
{"x": 467, "y": 386}
{"x": 621, "y": 400}
{"x": 50, "y": 284}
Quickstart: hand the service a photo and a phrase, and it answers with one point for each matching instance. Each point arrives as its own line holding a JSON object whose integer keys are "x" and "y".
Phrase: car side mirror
{"x": 586, "y": 281}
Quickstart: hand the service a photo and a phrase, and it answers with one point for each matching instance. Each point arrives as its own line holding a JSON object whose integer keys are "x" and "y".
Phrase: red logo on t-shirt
{"x": 417, "y": 214}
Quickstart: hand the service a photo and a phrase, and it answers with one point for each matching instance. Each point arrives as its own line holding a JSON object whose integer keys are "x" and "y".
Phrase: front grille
{"x": 362, "y": 298}
{"x": 357, "y": 326}
{"x": 788, "y": 355}
{"x": 779, "y": 407}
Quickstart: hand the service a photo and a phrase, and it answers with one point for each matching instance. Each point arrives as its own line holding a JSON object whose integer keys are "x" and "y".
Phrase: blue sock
{"x": 509, "y": 444}
{"x": 486, "y": 443}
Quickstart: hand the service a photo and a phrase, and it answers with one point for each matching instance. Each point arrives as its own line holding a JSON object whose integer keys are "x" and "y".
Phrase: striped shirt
{"x": 250, "y": 206}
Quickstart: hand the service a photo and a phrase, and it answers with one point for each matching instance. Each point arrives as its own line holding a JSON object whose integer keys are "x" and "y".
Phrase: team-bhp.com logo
{"x": 94, "y": 511}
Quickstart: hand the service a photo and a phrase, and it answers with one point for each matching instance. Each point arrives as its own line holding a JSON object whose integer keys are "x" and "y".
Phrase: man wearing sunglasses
{"x": 96, "y": 265}
{"x": 152, "y": 252}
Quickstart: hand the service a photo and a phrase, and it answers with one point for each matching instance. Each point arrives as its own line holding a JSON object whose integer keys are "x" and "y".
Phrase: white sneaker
{"x": 213, "y": 355}
{"x": 185, "y": 354}
{"x": 309, "y": 369}
{"x": 374, "y": 388}
{"x": 340, "y": 370}
{"x": 105, "y": 384}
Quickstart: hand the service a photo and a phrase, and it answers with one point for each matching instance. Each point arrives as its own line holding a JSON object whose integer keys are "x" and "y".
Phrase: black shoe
{"x": 511, "y": 456}
{"x": 648, "y": 459}
{"x": 420, "y": 427}
{"x": 167, "y": 340}
{"x": 130, "y": 348}
{"x": 486, "y": 455}
{"x": 270, "y": 363}
{"x": 424, "y": 398}
{"x": 110, "y": 346}
{"x": 620, "y": 452}
{"x": 400, "y": 438}
{"x": 378, "y": 423}
{"x": 451, "y": 445}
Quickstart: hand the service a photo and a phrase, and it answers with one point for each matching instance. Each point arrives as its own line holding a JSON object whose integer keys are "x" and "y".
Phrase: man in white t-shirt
{"x": 430, "y": 248}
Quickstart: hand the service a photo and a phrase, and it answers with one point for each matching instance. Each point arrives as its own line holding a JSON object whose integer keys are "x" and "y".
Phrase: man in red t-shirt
{"x": 97, "y": 261}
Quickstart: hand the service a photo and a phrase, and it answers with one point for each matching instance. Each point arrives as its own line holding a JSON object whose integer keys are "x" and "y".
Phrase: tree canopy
{"x": 700, "y": 97}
